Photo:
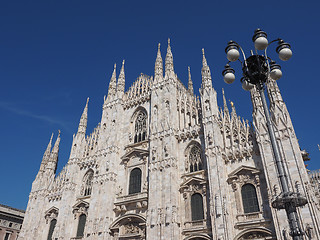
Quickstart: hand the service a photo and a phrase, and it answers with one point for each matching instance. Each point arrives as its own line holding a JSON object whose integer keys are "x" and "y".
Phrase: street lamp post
{"x": 257, "y": 69}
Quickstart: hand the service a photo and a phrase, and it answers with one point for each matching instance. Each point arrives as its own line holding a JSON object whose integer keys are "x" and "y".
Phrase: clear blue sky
{"x": 55, "y": 54}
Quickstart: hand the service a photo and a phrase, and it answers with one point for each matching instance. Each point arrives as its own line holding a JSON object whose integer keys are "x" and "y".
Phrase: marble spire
{"x": 190, "y": 84}
{"x": 158, "y": 67}
{"x": 169, "y": 60}
{"x": 121, "y": 79}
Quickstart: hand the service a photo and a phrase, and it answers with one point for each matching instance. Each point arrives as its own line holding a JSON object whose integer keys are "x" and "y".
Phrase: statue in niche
{"x": 107, "y": 165}
{"x": 120, "y": 191}
{"x": 154, "y": 152}
{"x": 218, "y": 205}
{"x": 168, "y": 114}
{"x": 145, "y": 186}
{"x": 309, "y": 231}
{"x": 130, "y": 137}
{"x": 297, "y": 186}
{"x": 166, "y": 150}
{"x": 285, "y": 234}
{"x": 275, "y": 190}
{"x": 174, "y": 214}
{"x": 210, "y": 138}
{"x": 224, "y": 208}
{"x": 155, "y": 118}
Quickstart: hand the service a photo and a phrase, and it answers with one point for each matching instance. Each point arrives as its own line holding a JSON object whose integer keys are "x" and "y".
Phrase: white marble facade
{"x": 166, "y": 164}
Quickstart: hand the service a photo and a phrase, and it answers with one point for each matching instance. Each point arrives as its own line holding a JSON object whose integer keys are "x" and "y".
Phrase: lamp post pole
{"x": 257, "y": 69}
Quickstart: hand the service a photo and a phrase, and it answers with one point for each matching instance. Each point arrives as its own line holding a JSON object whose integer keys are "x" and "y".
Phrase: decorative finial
{"x": 159, "y": 46}
{"x": 231, "y": 103}
{"x": 168, "y": 41}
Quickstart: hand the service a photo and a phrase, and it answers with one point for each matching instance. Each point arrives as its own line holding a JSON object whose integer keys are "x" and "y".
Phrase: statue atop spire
{"x": 169, "y": 60}
{"x": 158, "y": 67}
{"x": 121, "y": 80}
{"x": 113, "y": 82}
{"x": 190, "y": 84}
{"x": 225, "y": 106}
{"x": 83, "y": 120}
{"x": 205, "y": 72}
{"x": 233, "y": 111}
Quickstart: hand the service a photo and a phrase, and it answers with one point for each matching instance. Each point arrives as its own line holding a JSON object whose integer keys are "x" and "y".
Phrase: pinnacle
{"x": 169, "y": 59}
{"x": 158, "y": 67}
{"x": 112, "y": 84}
{"x": 190, "y": 84}
{"x": 121, "y": 79}
{"x": 204, "y": 60}
{"x": 83, "y": 120}
{"x": 56, "y": 145}
{"x": 49, "y": 146}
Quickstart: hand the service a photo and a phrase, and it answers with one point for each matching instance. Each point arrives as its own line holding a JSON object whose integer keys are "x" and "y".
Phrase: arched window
{"x": 195, "y": 159}
{"x": 87, "y": 183}
{"x": 196, "y": 207}
{"x": 81, "y": 225}
{"x": 135, "y": 181}
{"x": 51, "y": 228}
{"x": 140, "y": 127}
{"x": 249, "y": 198}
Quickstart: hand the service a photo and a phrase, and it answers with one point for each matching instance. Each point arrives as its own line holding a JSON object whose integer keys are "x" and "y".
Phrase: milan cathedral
{"x": 164, "y": 163}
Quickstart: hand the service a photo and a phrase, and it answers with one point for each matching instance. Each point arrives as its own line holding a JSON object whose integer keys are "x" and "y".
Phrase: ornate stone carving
{"x": 52, "y": 213}
{"x": 131, "y": 228}
{"x": 80, "y": 208}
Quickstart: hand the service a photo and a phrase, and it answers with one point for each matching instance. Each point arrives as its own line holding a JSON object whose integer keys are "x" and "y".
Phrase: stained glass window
{"x": 195, "y": 159}
{"x": 140, "y": 128}
{"x": 196, "y": 207}
{"x": 81, "y": 225}
{"x": 135, "y": 181}
{"x": 249, "y": 198}
{"x": 51, "y": 228}
{"x": 88, "y": 183}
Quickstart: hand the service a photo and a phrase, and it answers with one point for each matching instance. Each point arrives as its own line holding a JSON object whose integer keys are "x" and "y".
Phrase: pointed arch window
{"x": 51, "y": 228}
{"x": 140, "y": 127}
{"x": 135, "y": 181}
{"x": 249, "y": 198}
{"x": 7, "y": 236}
{"x": 197, "y": 207}
{"x": 87, "y": 183}
{"x": 81, "y": 225}
{"x": 195, "y": 159}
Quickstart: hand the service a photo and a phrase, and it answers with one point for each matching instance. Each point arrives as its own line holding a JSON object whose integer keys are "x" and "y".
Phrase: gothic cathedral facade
{"x": 166, "y": 164}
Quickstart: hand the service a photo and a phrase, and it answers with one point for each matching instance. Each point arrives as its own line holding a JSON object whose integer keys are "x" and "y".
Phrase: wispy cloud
{"x": 13, "y": 109}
